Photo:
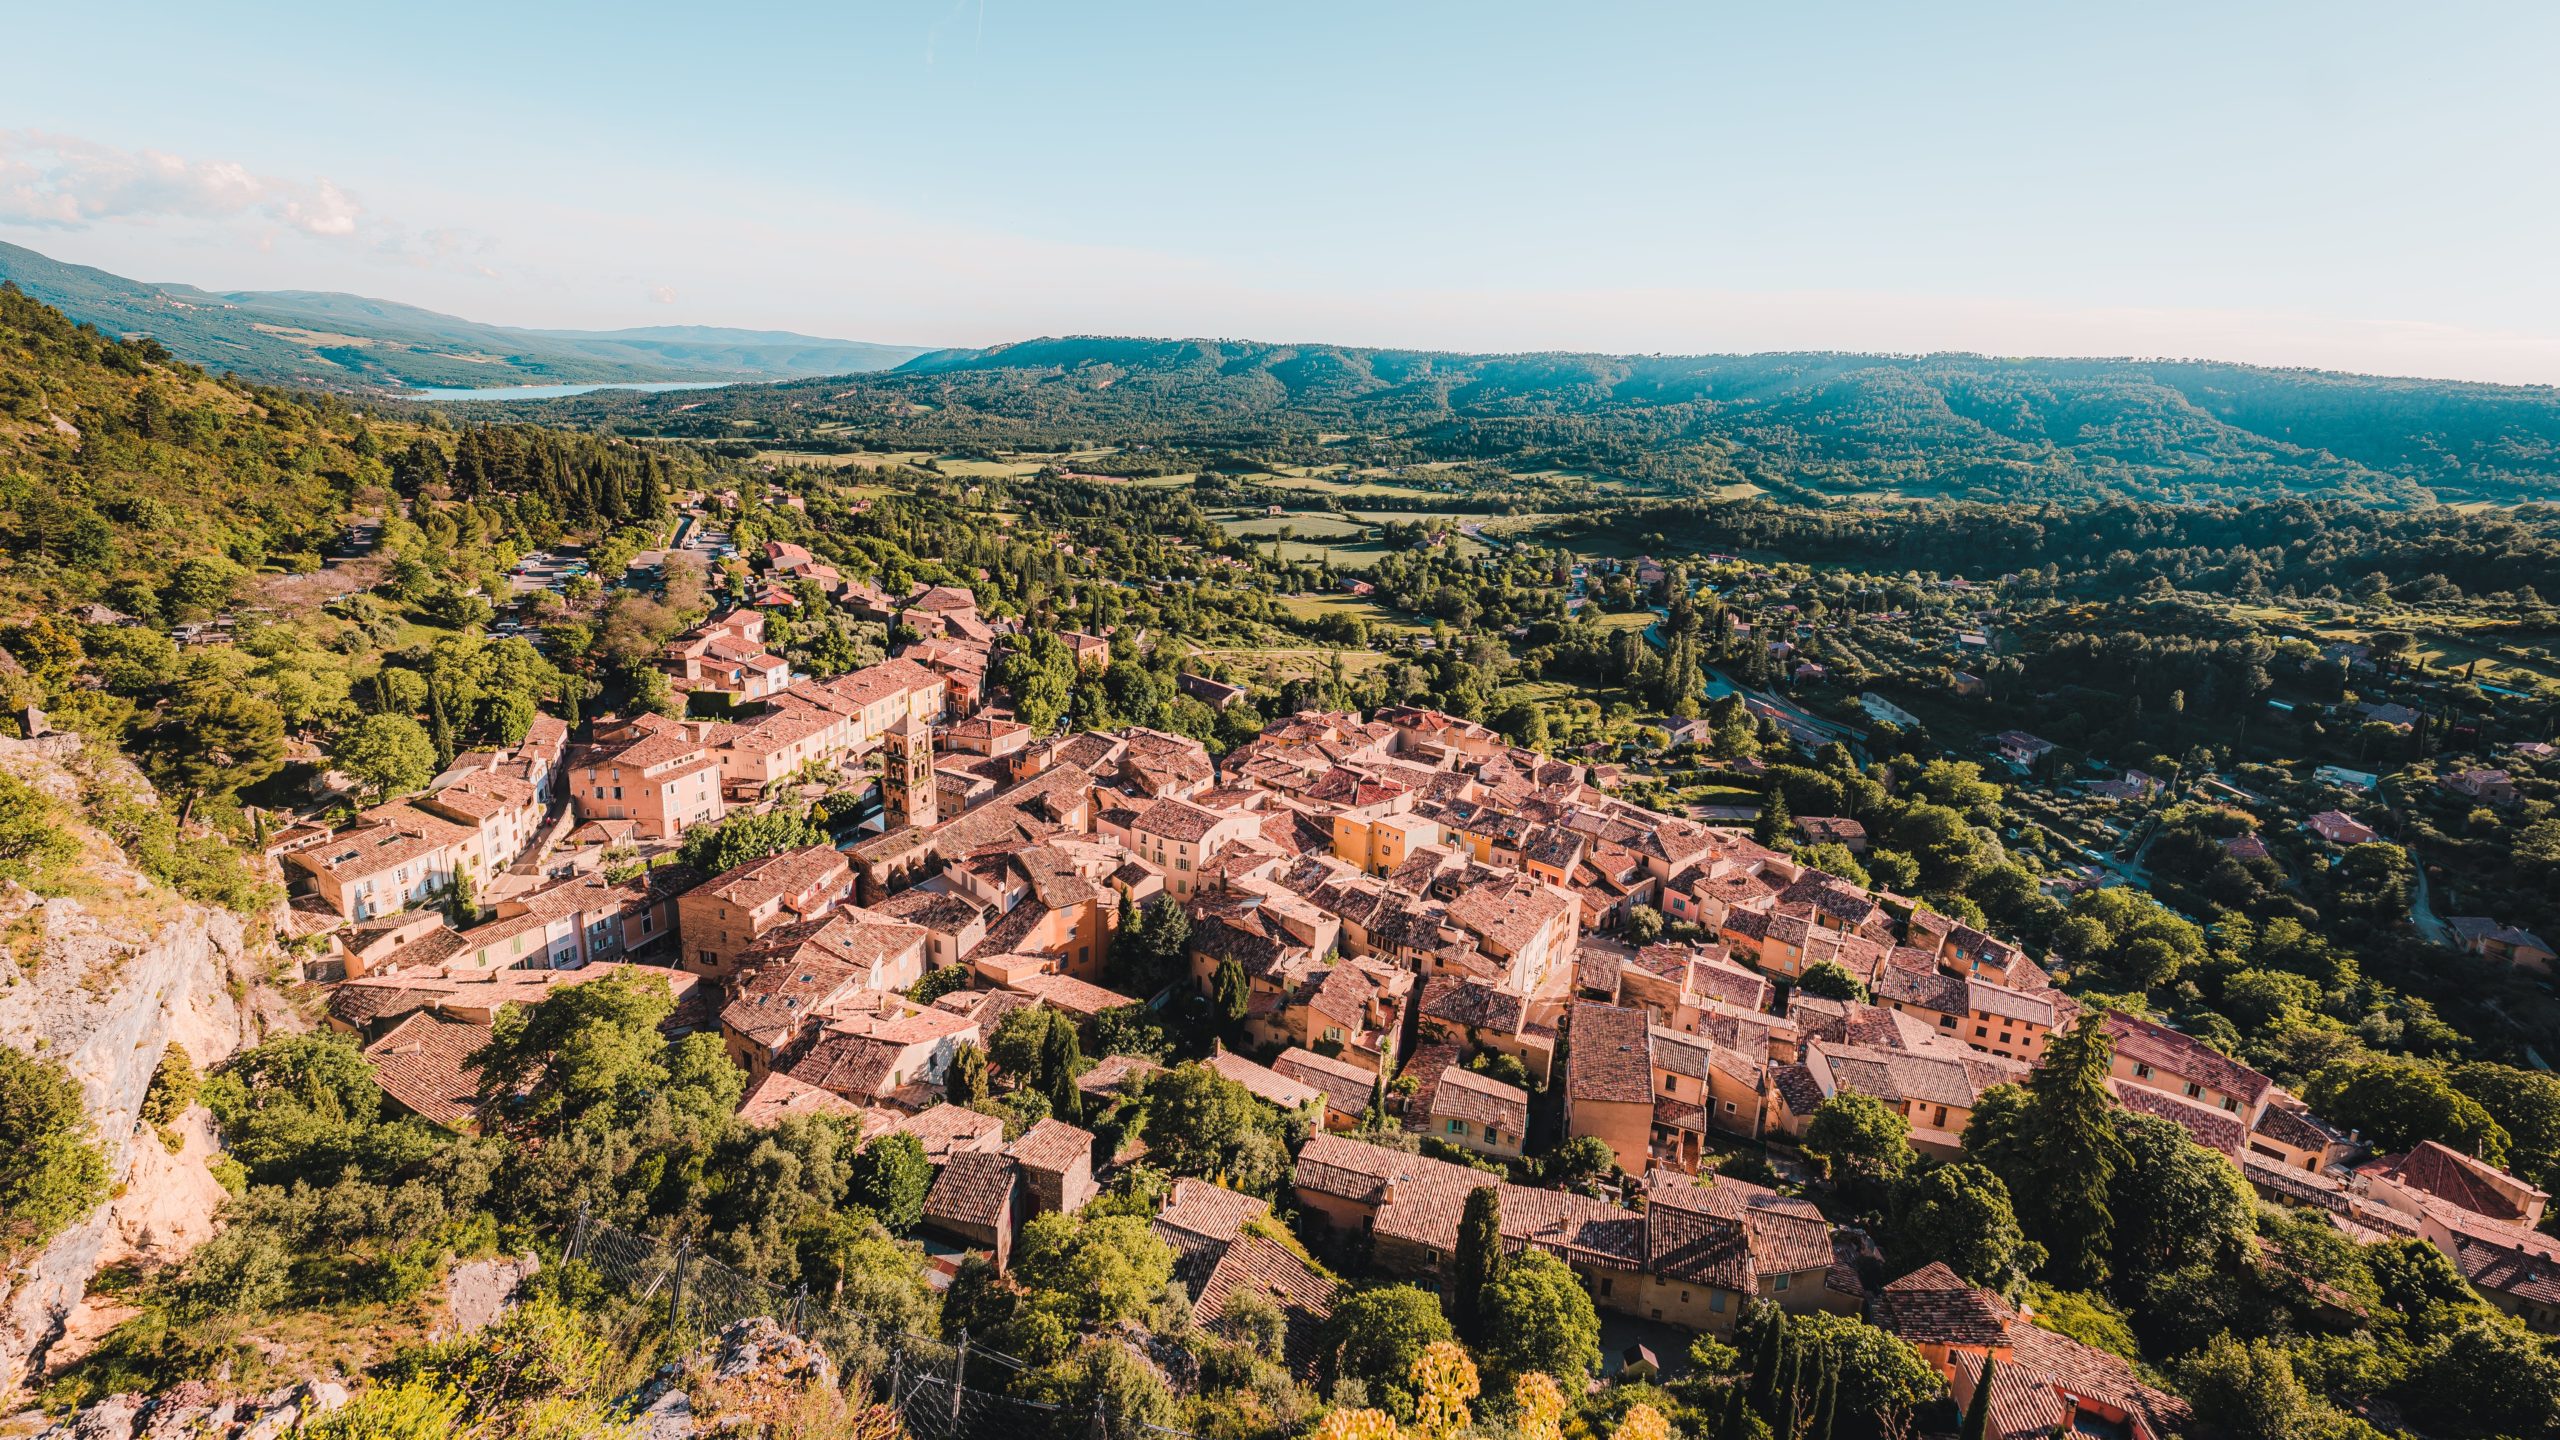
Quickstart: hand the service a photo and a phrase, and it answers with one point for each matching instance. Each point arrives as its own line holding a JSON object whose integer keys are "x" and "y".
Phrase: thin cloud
{"x": 662, "y": 294}
{"x": 62, "y": 182}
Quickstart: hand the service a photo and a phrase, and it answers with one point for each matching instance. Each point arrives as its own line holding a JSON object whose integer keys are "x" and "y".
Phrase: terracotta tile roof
{"x": 1065, "y": 992}
{"x": 779, "y": 1096}
{"x": 2449, "y": 1175}
{"x": 1934, "y": 1306}
{"x": 1729, "y": 1233}
{"x": 1680, "y": 1052}
{"x": 786, "y": 875}
{"x": 971, "y": 1190}
{"x": 2213, "y": 1128}
{"x": 1267, "y": 1084}
{"x": 1202, "y": 1211}
{"x": 2048, "y": 1380}
{"x": 1928, "y": 989}
{"x": 1347, "y": 1088}
{"x": 1465, "y": 1095}
{"x": 381, "y": 839}
{"x": 2049, "y": 1008}
{"x": 1508, "y": 914}
{"x": 2507, "y": 1259}
{"x": 945, "y": 912}
{"x": 1176, "y": 820}
{"x": 1611, "y": 1056}
{"x": 1596, "y": 971}
{"x": 1053, "y": 1147}
{"x": 1474, "y": 1004}
{"x": 1111, "y": 1071}
{"x": 2184, "y": 1056}
{"x": 856, "y": 1066}
{"x": 947, "y": 1130}
{"x": 1422, "y": 1201}
{"x": 1252, "y": 1264}
{"x": 1929, "y": 1077}
{"x": 2287, "y": 1122}
{"x": 424, "y": 1062}
{"x": 359, "y": 1007}
{"x": 781, "y": 999}
{"x": 1797, "y": 1090}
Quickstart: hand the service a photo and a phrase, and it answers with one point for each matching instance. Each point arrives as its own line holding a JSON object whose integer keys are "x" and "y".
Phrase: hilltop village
{"x": 1455, "y": 964}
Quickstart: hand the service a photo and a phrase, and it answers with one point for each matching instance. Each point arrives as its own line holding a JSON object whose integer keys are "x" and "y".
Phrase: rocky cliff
{"x": 103, "y": 984}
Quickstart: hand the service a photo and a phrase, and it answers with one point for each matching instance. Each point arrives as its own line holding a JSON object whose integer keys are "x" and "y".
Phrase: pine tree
{"x": 1773, "y": 827}
{"x": 1977, "y": 1413}
{"x": 2072, "y": 1149}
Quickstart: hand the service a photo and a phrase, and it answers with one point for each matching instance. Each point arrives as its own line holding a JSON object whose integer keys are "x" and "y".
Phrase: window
{"x": 2230, "y": 1104}
{"x": 1670, "y": 1084}
{"x": 2005, "y": 1038}
{"x": 1457, "y": 1127}
{"x": 1782, "y": 1282}
{"x": 2141, "y": 1071}
{"x": 1728, "y": 1107}
{"x": 1492, "y": 1136}
{"x": 1981, "y": 1030}
{"x": 1947, "y": 1022}
{"x": 1684, "y": 1297}
{"x": 1604, "y": 1284}
{"x": 1715, "y": 1302}
{"x": 2194, "y": 1090}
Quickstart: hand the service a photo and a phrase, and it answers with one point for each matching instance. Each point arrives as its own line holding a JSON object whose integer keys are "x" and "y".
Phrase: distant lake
{"x": 554, "y": 392}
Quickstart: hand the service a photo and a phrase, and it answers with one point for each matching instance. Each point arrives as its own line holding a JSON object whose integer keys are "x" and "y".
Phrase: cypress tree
{"x": 1730, "y": 1426}
{"x": 1479, "y": 1260}
{"x": 1830, "y": 1405}
{"x": 1977, "y": 1414}
{"x": 1790, "y": 1400}
{"x": 1764, "y": 1370}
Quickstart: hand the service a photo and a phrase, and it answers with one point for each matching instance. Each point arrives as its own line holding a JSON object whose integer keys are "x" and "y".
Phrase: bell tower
{"x": 906, "y": 776}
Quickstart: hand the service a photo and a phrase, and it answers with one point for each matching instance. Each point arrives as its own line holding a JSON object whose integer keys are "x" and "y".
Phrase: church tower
{"x": 906, "y": 776}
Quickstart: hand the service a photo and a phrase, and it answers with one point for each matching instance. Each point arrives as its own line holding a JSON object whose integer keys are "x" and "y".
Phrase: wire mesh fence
{"x": 942, "y": 1389}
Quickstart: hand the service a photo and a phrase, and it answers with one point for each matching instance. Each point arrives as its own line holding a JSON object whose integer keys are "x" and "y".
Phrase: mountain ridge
{"x": 334, "y": 340}
{"x": 1811, "y": 426}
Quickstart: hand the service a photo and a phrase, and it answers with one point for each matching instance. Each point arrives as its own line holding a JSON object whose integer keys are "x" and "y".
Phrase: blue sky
{"x": 2359, "y": 186}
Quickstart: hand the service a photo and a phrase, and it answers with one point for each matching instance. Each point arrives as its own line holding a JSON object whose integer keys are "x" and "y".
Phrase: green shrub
{"x": 51, "y": 1169}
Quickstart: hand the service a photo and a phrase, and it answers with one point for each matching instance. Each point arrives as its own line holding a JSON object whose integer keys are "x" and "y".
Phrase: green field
{"x": 1316, "y": 607}
{"x": 1302, "y": 524}
{"x": 1282, "y": 662}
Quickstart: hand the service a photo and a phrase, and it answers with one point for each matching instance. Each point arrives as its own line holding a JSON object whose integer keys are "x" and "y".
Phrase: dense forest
{"x": 1805, "y": 426}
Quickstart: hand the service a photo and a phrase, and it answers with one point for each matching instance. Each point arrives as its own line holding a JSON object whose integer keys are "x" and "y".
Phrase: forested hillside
{"x": 346, "y": 342}
{"x": 1805, "y": 426}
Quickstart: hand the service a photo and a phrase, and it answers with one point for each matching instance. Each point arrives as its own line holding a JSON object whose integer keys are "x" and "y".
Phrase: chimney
{"x": 1387, "y": 1191}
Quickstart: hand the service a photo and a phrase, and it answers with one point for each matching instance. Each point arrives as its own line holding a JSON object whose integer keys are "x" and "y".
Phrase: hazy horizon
{"x": 2341, "y": 187}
